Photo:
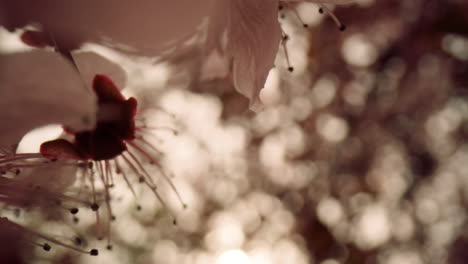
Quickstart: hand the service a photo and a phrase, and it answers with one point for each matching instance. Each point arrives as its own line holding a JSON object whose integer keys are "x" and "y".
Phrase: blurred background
{"x": 360, "y": 155}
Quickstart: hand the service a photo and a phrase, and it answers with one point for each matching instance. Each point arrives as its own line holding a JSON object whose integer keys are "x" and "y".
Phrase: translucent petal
{"x": 253, "y": 34}
{"x": 90, "y": 64}
{"x": 143, "y": 27}
{"x": 39, "y": 88}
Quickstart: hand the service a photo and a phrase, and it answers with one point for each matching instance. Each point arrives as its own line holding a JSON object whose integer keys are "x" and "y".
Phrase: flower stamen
{"x": 284, "y": 40}
{"x": 120, "y": 171}
{"x": 156, "y": 163}
{"x": 338, "y": 23}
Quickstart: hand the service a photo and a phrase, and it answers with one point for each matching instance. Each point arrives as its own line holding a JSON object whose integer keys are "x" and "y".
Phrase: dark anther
{"x": 54, "y": 160}
{"x": 321, "y": 10}
{"x": 74, "y": 210}
{"x": 109, "y": 247}
{"x": 342, "y": 28}
{"x": 282, "y": 16}
{"x": 90, "y": 165}
{"x": 17, "y": 171}
{"x": 17, "y": 212}
{"x": 94, "y": 252}
{"x": 94, "y": 207}
{"x": 280, "y": 7}
{"x": 100, "y": 238}
{"x": 174, "y": 222}
{"x": 285, "y": 37}
{"x": 138, "y": 207}
{"x": 290, "y": 69}
{"x": 76, "y": 220}
{"x": 141, "y": 180}
{"x": 305, "y": 25}
{"x": 113, "y": 218}
{"x": 46, "y": 247}
{"x": 78, "y": 241}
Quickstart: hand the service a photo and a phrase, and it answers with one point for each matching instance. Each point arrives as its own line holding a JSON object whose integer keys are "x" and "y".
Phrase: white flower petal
{"x": 253, "y": 42}
{"x": 144, "y": 27}
{"x": 52, "y": 177}
{"x": 253, "y": 35}
{"x": 39, "y": 88}
{"x": 218, "y": 25}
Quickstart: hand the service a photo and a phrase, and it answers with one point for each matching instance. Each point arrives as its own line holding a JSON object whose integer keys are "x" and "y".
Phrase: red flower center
{"x": 115, "y": 125}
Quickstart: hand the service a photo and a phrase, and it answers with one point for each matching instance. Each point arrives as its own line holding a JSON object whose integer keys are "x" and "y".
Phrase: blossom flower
{"x": 34, "y": 85}
{"x": 115, "y": 139}
{"x": 41, "y": 87}
{"x": 94, "y": 154}
{"x": 247, "y": 33}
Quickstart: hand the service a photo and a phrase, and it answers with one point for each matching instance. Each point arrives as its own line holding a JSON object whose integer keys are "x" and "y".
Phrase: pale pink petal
{"x": 143, "y": 27}
{"x": 90, "y": 64}
{"x": 52, "y": 177}
{"x": 215, "y": 66}
{"x": 217, "y": 27}
{"x": 39, "y": 88}
{"x": 253, "y": 34}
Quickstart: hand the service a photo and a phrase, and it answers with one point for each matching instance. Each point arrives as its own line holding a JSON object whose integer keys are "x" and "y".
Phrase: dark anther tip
{"x": 78, "y": 241}
{"x": 46, "y": 247}
{"x": 290, "y": 69}
{"x": 94, "y": 207}
{"x": 305, "y": 25}
{"x": 94, "y": 252}
{"x": 342, "y": 28}
{"x": 109, "y": 247}
{"x": 74, "y": 210}
{"x": 321, "y": 10}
